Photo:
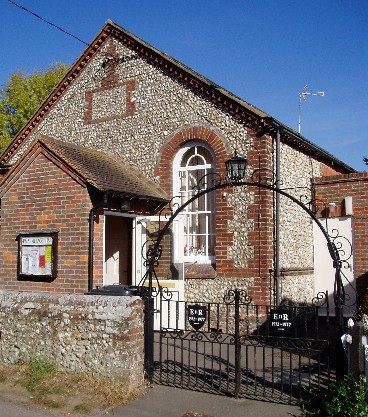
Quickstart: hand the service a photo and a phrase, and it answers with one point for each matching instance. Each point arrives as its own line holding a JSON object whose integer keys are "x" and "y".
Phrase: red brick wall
{"x": 45, "y": 197}
{"x": 261, "y": 211}
{"x": 98, "y": 249}
{"x": 329, "y": 171}
{"x": 335, "y": 189}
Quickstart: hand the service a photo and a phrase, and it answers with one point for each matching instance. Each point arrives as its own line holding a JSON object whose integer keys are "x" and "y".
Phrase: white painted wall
{"x": 324, "y": 272}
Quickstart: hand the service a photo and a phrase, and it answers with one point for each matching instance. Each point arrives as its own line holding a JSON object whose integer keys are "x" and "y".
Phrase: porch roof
{"x": 107, "y": 172}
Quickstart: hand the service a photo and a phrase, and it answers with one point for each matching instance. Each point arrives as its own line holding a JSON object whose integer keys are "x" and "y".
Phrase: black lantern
{"x": 235, "y": 167}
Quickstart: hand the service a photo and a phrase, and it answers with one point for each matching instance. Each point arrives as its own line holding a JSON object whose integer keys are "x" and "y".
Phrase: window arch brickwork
{"x": 164, "y": 170}
{"x": 170, "y": 148}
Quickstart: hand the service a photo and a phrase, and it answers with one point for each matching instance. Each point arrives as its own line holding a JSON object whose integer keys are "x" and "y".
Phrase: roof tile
{"x": 106, "y": 172}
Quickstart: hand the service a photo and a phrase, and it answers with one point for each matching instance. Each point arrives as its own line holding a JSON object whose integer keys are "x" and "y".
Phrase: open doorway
{"x": 118, "y": 250}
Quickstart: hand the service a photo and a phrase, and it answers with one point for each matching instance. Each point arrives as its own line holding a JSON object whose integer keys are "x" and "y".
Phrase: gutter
{"x": 308, "y": 145}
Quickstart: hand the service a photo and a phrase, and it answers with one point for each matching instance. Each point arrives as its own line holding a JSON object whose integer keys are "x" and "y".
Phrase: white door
{"x": 142, "y": 228}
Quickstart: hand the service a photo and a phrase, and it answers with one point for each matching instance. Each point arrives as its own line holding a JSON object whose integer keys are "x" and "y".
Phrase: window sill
{"x": 199, "y": 270}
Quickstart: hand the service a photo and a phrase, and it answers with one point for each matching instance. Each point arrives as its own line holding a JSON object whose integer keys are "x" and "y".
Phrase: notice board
{"x": 37, "y": 255}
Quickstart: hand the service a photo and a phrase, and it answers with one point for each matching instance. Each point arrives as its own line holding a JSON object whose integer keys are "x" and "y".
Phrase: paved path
{"x": 11, "y": 409}
{"x": 161, "y": 401}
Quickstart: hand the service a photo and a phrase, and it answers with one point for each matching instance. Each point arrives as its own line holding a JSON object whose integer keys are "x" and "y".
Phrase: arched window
{"x": 194, "y": 166}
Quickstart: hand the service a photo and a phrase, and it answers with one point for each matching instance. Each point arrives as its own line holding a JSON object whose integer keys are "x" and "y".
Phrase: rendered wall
{"x": 334, "y": 189}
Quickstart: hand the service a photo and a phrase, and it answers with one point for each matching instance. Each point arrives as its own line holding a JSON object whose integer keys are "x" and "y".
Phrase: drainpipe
{"x": 277, "y": 220}
{"x": 91, "y": 241}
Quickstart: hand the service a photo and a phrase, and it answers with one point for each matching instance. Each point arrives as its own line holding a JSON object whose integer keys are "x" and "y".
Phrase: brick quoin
{"x": 261, "y": 212}
{"x": 46, "y": 197}
{"x": 334, "y": 189}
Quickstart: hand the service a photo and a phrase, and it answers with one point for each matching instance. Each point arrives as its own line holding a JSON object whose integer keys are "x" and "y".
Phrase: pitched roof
{"x": 257, "y": 119}
{"x": 106, "y": 172}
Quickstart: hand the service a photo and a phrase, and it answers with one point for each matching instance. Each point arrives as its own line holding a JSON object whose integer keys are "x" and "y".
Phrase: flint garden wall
{"x": 101, "y": 335}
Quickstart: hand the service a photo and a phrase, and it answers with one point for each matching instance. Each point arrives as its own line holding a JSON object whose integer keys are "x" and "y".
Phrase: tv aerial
{"x": 303, "y": 96}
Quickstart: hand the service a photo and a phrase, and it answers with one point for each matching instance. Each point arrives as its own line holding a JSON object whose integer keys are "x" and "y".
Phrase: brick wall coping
{"x": 353, "y": 177}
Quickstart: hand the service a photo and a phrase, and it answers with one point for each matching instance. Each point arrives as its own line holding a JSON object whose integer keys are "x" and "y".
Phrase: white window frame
{"x": 178, "y": 227}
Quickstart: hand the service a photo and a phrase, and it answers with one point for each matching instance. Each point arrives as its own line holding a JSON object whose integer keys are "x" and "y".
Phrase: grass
{"x": 69, "y": 393}
{"x": 39, "y": 370}
{"x": 82, "y": 409}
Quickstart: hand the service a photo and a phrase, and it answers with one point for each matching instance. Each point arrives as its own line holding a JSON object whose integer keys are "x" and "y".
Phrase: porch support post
{"x": 91, "y": 241}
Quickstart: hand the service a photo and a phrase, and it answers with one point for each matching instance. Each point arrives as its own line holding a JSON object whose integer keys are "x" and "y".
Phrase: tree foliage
{"x": 22, "y": 96}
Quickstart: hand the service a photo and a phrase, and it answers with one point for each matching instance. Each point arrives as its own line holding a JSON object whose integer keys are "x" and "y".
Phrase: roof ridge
{"x": 237, "y": 107}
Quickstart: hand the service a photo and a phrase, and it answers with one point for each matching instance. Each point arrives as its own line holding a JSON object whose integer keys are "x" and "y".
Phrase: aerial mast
{"x": 303, "y": 95}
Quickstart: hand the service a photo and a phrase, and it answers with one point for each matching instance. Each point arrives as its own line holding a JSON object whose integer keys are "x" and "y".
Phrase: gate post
{"x": 149, "y": 308}
{"x": 148, "y": 336}
{"x": 237, "y": 344}
{"x": 357, "y": 350}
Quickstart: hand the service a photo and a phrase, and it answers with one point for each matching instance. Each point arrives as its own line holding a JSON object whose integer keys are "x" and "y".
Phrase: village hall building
{"x": 126, "y": 135}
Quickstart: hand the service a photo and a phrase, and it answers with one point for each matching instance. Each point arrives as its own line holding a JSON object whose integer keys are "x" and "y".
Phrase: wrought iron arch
{"x": 153, "y": 253}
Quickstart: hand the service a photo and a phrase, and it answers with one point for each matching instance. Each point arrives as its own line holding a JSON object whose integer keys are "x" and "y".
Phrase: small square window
{"x": 37, "y": 254}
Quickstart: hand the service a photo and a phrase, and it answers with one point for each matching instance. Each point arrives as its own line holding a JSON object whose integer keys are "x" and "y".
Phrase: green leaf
{"x": 22, "y": 96}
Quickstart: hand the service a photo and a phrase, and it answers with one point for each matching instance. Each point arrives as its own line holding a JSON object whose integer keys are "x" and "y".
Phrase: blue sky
{"x": 264, "y": 51}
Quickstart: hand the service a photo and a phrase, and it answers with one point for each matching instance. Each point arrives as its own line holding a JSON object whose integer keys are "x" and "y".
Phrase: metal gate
{"x": 240, "y": 349}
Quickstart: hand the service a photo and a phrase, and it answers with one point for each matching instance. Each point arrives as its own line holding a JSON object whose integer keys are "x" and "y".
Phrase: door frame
{"x": 131, "y": 259}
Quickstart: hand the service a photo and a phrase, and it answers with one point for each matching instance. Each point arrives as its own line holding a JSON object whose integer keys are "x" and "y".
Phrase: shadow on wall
{"x": 351, "y": 300}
